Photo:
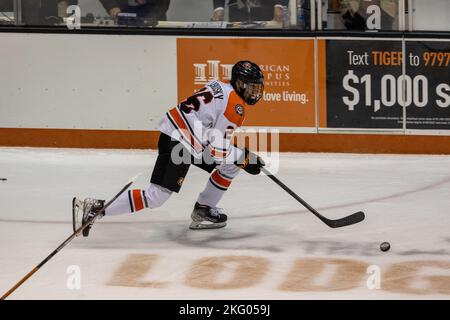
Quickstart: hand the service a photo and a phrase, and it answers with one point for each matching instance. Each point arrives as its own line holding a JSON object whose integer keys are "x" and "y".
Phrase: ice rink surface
{"x": 272, "y": 248}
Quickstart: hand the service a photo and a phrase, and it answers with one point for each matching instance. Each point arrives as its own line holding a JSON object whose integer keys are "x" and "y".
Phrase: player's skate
{"x": 204, "y": 217}
{"x": 83, "y": 211}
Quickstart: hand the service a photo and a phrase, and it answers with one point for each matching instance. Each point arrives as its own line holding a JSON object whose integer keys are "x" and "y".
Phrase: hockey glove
{"x": 250, "y": 162}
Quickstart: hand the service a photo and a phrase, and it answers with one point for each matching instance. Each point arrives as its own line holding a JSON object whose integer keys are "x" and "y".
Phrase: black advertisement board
{"x": 366, "y": 88}
{"x": 427, "y": 94}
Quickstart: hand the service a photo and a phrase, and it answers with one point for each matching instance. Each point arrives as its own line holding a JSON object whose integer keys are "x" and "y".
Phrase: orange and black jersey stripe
{"x": 179, "y": 121}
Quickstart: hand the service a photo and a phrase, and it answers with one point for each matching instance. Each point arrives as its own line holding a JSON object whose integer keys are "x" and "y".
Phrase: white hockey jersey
{"x": 206, "y": 122}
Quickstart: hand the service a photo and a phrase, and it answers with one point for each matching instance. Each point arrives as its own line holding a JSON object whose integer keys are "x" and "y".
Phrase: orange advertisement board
{"x": 288, "y": 66}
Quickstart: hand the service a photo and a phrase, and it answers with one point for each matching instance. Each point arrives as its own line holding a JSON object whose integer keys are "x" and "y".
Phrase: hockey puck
{"x": 3, "y": 179}
{"x": 385, "y": 246}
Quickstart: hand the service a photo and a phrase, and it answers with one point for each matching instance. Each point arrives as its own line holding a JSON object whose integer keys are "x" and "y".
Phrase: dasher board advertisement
{"x": 367, "y": 87}
{"x": 288, "y": 67}
{"x": 428, "y": 85}
{"x": 362, "y": 79}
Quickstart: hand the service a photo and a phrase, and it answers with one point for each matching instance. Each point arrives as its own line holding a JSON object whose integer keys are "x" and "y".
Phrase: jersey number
{"x": 194, "y": 101}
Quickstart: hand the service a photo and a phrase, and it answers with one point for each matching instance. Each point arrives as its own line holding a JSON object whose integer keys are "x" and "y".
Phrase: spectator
{"x": 150, "y": 9}
{"x": 250, "y": 10}
{"x": 354, "y": 13}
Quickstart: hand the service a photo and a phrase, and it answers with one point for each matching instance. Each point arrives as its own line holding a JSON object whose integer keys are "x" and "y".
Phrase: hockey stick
{"x": 78, "y": 231}
{"x": 337, "y": 223}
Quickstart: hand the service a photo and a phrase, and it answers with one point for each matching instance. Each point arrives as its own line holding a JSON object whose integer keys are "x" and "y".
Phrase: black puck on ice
{"x": 3, "y": 179}
{"x": 385, "y": 246}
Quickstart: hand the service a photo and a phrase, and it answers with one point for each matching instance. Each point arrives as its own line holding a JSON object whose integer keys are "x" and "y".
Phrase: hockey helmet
{"x": 247, "y": 80}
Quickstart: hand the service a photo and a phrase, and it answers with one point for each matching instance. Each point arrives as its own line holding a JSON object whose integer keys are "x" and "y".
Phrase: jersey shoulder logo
{"x": 235, "y": 111}
{"x": 239, "y": 109}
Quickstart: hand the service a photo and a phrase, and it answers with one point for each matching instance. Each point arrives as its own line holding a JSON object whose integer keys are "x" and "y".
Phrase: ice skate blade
{"x": 199, "y": 226}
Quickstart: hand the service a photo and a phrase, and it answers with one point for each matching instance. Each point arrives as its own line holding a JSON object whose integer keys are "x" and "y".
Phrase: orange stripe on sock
{"x": 220, "y": 180}
{"x": 137, "y": 199}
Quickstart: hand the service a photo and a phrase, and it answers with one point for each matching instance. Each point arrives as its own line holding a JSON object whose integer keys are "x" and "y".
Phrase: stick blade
{"x": 345, "y": 221}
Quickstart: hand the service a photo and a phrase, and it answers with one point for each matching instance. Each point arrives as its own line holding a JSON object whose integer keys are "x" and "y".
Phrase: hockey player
{"x": 198, "y": 131}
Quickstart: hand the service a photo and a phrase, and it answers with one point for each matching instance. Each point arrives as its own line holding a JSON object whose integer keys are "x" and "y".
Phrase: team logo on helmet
{"x": 180, "y": 181}
{"x": 239, "y": 109}
{"x": 247, "y": 65}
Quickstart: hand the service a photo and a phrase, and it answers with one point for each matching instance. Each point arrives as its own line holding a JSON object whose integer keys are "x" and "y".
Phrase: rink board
{"x": 117, "y": 87}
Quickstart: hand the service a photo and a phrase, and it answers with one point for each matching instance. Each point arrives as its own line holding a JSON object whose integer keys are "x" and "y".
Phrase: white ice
{"x": 406, "y": 199}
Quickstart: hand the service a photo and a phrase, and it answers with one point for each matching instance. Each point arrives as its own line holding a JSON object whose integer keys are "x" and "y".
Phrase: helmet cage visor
{"x": 251, "y": 92}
